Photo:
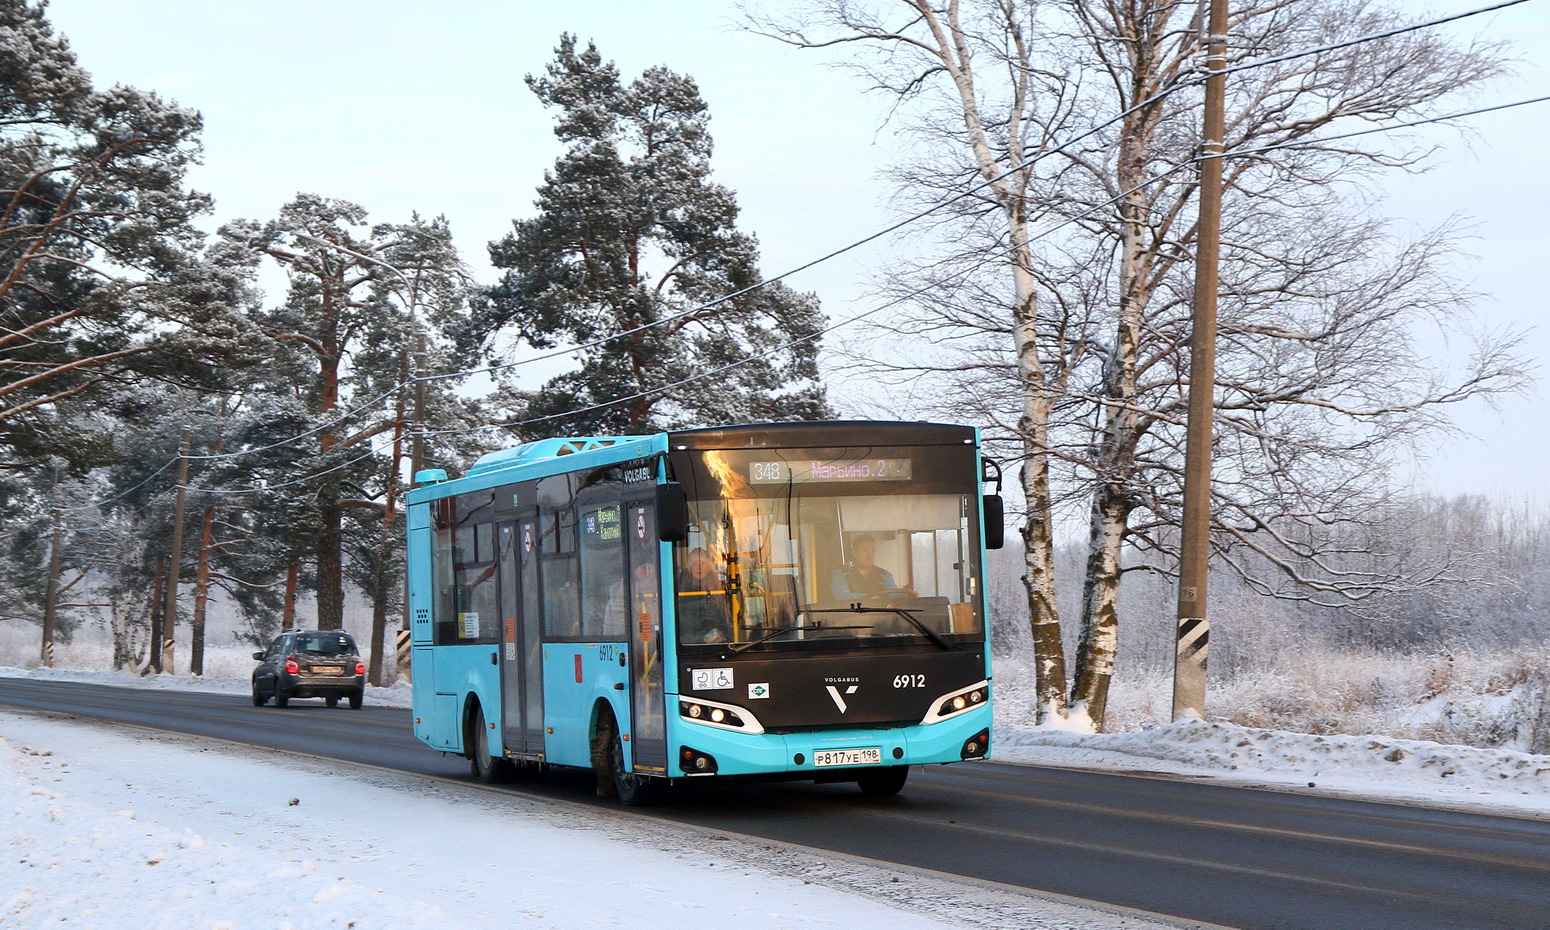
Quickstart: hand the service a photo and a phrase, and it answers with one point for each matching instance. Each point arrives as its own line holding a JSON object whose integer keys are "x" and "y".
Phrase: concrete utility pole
{"x": 169, "y": 617}
{"x": 1194, "y": 627}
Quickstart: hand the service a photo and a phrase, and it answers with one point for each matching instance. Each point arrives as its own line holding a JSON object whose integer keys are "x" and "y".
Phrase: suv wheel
{"x": 355, "y": 700}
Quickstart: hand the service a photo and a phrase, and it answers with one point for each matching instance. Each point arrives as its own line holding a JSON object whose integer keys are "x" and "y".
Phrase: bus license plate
{"x": 871, "y": 755}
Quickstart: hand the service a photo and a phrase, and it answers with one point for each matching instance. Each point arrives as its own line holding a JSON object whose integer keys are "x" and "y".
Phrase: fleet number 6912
{"x": 909, "y": 681}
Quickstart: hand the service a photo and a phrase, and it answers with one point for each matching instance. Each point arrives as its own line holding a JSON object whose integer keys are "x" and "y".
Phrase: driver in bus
{"x": 863, "y": 579}
{"x": 702, "y": 600}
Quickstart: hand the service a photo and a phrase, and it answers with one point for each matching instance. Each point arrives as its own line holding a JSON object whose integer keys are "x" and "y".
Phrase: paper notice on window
{"x": 468, "y": 625}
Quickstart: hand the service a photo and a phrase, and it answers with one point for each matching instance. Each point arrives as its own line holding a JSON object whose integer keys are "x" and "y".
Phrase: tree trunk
{"x": 157, "y": 590}
{"x": 1100, "y": 605}
{"x": 196, "y": 654}
{"x": 292, "y": 579}
{"x": 1038, "y": 533}
{"x": 1115, "y": 460}
{"x": 330, "y": 556}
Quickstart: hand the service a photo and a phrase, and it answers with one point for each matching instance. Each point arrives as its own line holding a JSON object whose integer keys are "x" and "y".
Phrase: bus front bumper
{"x": 823, "y": 753}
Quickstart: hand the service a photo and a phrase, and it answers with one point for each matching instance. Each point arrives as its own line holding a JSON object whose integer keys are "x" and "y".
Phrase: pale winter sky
{"x": 404, "y": 106}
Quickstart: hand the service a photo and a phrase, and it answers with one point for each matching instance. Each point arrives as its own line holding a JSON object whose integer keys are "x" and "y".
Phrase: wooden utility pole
{"x": 169, "y": 616}
{"x": 1194, "y": 627}
{"x": 51, "y": 600}
{"x": 416, "y": 462}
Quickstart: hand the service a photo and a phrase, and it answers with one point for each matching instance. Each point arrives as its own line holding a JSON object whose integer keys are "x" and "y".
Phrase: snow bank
{"x": 1380, "y": 768}
{"x": 115, "y": 832}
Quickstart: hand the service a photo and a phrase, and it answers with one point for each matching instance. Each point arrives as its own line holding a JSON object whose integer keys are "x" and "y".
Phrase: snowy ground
{"x": 113, "y": 830}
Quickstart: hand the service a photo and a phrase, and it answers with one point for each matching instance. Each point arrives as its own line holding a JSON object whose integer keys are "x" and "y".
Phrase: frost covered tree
{"x": 631, "y": 232}
{"x": 341, "y": 342}
{"x": 94, "y": 225}
{"x": 1064, "y": 134}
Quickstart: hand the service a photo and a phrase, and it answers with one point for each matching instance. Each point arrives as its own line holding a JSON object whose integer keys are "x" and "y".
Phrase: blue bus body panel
{"x": 459, "y": 675}
{"x": 576, "y": 677}
{"x": 491, "y": 473}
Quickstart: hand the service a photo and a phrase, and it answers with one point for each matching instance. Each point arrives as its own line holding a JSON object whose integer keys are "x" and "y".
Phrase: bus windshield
{"x": 805, "y": 549}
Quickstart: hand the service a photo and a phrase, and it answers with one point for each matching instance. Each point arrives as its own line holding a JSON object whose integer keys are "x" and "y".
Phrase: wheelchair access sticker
{"x": 711, "y": 679}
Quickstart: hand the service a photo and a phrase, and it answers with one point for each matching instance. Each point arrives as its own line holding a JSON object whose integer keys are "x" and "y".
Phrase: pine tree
{"x": 631, "y": 232}
{"x": 94, "y": 222}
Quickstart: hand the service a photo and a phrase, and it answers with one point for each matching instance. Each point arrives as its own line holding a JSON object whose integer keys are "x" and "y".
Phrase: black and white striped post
{"x": 402, "y": 656}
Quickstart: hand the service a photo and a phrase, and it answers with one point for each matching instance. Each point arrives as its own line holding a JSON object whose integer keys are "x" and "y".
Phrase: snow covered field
{"x": 114, "y": 829}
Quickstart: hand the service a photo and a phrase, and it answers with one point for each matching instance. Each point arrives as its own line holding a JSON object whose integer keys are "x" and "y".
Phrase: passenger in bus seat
{"x": 702, "y": 600}
{"x": 863, "y": 579}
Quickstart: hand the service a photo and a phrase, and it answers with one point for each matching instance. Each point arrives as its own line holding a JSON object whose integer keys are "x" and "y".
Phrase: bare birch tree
{"x": 1092, "y": 108}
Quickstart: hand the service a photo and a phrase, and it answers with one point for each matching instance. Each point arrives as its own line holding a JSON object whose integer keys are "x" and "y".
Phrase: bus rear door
{"x": 521, "y": 651}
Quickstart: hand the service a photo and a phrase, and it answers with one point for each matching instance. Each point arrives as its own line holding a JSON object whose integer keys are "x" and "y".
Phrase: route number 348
{"x": 909, "y": 681}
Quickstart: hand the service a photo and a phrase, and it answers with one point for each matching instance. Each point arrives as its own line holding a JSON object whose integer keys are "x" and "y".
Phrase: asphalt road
{"x": 1228, "y": 856}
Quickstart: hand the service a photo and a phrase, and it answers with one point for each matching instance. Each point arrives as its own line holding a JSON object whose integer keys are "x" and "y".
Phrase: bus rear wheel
{"x": 481, "y": 764}
{"x": 883, "y": 782}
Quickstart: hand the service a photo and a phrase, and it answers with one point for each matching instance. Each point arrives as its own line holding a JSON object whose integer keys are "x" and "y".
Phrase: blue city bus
{"x": 793, "y": 600}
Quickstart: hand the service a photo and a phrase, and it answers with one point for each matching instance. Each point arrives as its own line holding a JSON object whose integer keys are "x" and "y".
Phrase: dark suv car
{"x": 309, "y": 663}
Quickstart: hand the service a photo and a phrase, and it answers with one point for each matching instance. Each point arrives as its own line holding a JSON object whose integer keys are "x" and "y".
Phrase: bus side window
{"x": 602, "y": 569}
{"x": 443, "y": 578}
{"x": 561, "y": 576}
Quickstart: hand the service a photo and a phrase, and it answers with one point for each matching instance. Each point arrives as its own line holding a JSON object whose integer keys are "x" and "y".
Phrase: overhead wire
{"x": 907, "y": 221}
{"x": 1235, "y": 153}
{"x": 894, "y": 227}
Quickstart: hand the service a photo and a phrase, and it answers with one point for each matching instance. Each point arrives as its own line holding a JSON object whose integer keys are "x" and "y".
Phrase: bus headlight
{"x": 958, "y": 702}
{"x": 723, "y": 716}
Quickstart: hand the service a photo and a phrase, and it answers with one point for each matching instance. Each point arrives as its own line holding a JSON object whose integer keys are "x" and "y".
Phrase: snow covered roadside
{"x": 1371, "y": 767}
{"x": 397, "y": 695}
{"x": 1416, "y": 772}
{"x": 118, "y": 830}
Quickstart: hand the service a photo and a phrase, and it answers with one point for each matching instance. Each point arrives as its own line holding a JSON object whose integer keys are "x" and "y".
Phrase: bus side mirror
{"x": 995, "y": 522}
{"x": 672, "y": 512}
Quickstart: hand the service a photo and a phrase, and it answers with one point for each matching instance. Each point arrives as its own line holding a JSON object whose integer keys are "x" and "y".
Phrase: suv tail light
{"x": 360, "y": 668}
{"x": 291, "y": 667}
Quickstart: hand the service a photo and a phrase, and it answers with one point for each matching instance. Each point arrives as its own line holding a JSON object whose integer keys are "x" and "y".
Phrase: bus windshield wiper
{"x": 815, "y": 626}
{"x": 906, "y": 613}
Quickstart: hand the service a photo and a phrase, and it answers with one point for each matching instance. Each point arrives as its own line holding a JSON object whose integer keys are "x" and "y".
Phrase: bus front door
{"x": 648, "y": 738}
{"x": 521, "y": 653}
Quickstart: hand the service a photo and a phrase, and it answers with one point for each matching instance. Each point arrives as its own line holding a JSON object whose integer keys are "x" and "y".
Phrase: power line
{"x": 1028, "y": 163}
{"x": 287, "y": 484}
{"x": 898, "y": 300}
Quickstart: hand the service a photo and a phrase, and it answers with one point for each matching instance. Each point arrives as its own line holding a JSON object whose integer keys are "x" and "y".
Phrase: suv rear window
{"x": 326, "y": 644}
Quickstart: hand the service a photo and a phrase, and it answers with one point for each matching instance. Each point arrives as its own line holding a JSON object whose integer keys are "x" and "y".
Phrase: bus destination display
{"x": 814, "y": 471}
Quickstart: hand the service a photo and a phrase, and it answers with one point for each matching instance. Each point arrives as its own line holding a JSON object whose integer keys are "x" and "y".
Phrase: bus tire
{"x": 883, "y": 782}
{"x": 484, "y": 767}
{"x": 633, "y": 790}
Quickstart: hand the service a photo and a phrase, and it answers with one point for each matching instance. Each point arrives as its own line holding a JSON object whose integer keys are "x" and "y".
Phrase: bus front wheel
{"x": 631, "y": 789}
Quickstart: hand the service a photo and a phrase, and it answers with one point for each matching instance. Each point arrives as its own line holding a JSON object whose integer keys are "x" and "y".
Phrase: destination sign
{"x": 819, "y": 471}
